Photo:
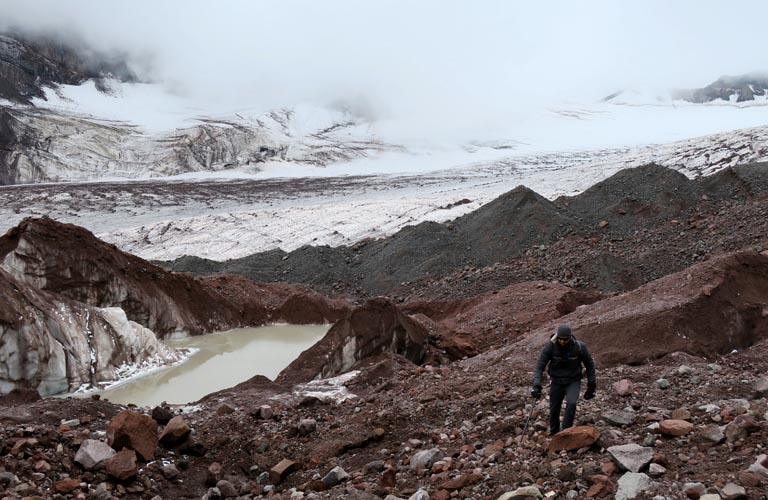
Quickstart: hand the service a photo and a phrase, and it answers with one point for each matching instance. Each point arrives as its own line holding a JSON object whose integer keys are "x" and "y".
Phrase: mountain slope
{"x": 612, "y": 237}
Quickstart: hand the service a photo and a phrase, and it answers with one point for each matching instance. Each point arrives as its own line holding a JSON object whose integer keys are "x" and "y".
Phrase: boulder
{"x": 307, "y": 426}
{"x": 681, "y": 414}
{"x": 66, "y": 485}
{"x": 632, "y": 484}
{"x": 694, "y": 491}
{"x": 93, "y": 454}
{"x": 631, "y": 457}
{"x": 425, "y": 459}
{"x": 733, "y": 491}
{"x": 709, "y": 435}
{"x": 226, "y": 488}
{"x": 335, "y": 476}
{"x": 175, "y": 432}
{"x": 134, "y": 431}
{"x": 760, "y": 388}
{"x": 421, "y": 494}
{"x": 461, "y": 482}
{"x": 214, "y": 474}
{"x": 123, "y": 465}
{"x": 280, "y": 471}
{"x": 574, "y": 438}
{"x": 740, "y": 427}
{"x": 162, "y": 414}
{"x": 675, "y": 427}
{"x": 265, "y": 412}
{"x": 624, "y": 387}
{"x": 619, "y": 418}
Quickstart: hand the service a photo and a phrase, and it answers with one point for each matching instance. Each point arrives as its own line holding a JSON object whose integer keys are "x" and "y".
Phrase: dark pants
{"x": 558, "y": 392}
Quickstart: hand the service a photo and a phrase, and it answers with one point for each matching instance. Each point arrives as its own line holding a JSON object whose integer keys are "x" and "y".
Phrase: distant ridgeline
{"x": 739, "y": 88}
{"x": 27, "y": 64}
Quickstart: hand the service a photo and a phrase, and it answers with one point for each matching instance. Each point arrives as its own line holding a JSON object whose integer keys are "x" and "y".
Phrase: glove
{"x": 536, "y": 391}
{"x": 591, "y": 388}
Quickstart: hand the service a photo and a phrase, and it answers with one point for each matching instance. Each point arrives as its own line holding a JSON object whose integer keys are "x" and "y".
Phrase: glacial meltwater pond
{"x": 222, "y": 360}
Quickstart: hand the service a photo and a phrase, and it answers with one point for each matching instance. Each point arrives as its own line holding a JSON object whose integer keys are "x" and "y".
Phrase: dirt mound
{"x": 706, "y": 310}
{"x": 499, "y": 317}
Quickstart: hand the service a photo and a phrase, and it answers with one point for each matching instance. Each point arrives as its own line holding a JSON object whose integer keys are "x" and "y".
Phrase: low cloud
{"x": 438, "y": 63}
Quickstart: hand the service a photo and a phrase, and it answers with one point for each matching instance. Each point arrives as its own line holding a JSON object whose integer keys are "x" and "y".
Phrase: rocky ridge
{"x": 636, "y": 226}
{"x": 741, "y": 88}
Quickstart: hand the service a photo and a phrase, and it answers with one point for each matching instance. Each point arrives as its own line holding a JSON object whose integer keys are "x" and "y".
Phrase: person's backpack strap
{"x": 578, "y": 347}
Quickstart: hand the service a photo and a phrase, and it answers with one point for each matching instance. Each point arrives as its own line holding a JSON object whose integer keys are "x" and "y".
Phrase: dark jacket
{"x": 564, "y": 363}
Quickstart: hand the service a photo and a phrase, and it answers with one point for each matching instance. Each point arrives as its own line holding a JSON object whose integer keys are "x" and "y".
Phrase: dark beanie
{"x": 564, "y": 331}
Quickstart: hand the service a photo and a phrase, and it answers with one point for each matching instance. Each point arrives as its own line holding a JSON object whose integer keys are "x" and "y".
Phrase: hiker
{"x": 565, "y": 356}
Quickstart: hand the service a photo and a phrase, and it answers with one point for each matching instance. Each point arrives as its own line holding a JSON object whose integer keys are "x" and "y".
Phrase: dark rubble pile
{"x": 684, "y": 427}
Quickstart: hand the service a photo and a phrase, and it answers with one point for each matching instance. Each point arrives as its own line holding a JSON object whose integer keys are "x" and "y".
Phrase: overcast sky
{"x": 429, "y": 55}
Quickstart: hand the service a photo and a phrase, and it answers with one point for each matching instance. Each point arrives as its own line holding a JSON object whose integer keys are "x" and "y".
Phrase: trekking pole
{"x": 528, "y": 421}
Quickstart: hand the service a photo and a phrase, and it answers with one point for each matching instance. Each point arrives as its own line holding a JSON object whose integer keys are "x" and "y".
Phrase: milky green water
{"x": 223, "y": 360}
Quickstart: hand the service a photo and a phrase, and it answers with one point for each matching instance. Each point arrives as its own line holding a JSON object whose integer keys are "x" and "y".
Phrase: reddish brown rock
{"x": 134, "y": 431}
{"x": 279, "y": 472}
{"x": 214, "y": 474}
{"x": 461, "y": 482}
{"x": 681, "y": 414}
{"x": 66, "y": 485}
{"x": 388, "y": 478}
{"x": 602, "y": 487}
{"x": 624, "y": 387}
{"x": 675, "y": 427}
{"x": 574, "y": 438}
{"x": 750, "y": 479}
{"x": 175, "y": 432}
{"x": 442, "y": 495}
{"x": 123, "y": 465}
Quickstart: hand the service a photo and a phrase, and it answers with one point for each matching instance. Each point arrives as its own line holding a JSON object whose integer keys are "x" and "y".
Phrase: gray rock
{"x": 662, "y": 383}
{"x": 8, "y": 479}
{"x": 631, "y": 457}
{"x": 425, "y": 459}
{"x": 307, "y": 426}
{"x": 710, "y": 408}
{"x": 758, "y": 465}
{"x": 684, "y": 370}
{"x": 335, "y": 476}
{"x": 100, "y": 493}
{"x": 93, "y": 454}
{"x": 733, "y": 491}
{"x": 712, "y": 434}
{"x": 212, "y": 494}
{"x": 760, "y": 389}
{"x": 619, "y": 417}
{"x": 226, "y": 489}
{"x": 524, "y": 492}
{"x": 632, "y": 484}
{"x": 420, "y": 495}
{"x": 266, "y": 412}
{"x": 656, "y": 470}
